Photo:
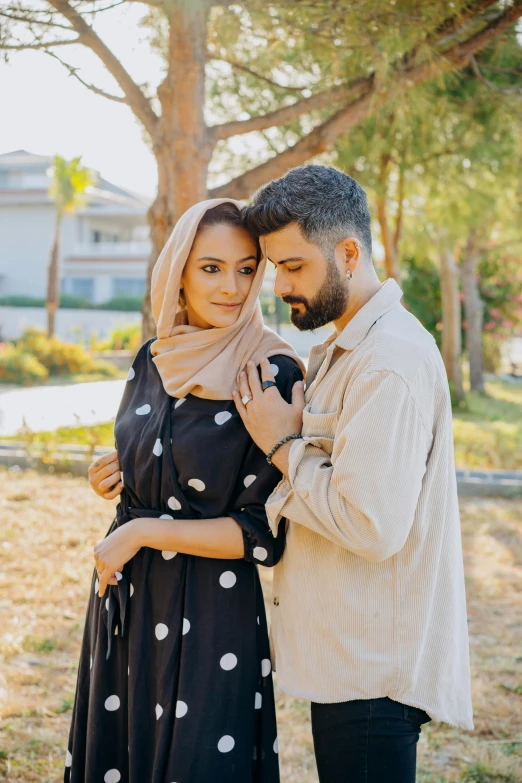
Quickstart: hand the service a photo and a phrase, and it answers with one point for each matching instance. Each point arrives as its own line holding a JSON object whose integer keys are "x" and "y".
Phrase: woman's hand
{"x": 113, "y": 552}
{"x": 105, "y": 477}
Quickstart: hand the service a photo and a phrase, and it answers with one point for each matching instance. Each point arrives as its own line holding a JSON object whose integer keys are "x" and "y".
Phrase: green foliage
{"x": 480, "y": 773}
{"x": 34, "y": 357}
{"x": 19, "y": 367}
{"x": 123, "y": 303}
{"x": 69, "y": 184}
{"x": 70, "y": 302}
{"x": 122, "y": 338}
{"x": 421, "y": 286}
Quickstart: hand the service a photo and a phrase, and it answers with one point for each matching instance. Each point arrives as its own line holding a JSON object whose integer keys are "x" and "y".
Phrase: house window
{"x": 82, "y": 287}
{"x": 128, "y": 286}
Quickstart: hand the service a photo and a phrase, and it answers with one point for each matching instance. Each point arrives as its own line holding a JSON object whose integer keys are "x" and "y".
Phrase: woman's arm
{"x": 219, "y": 538}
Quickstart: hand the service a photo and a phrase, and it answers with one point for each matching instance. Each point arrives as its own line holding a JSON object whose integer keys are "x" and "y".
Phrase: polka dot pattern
{"x": 112, "y": 776}
{"x": 166, "y": 516}
{"x": 223, "y": 417}
{"x": 226, "y": 744}
{"x": 143, "y": 410}
{"x": 131, "y": 374}
{"x": 186, "y": 626}
{"x": 259, "y": 701}
{"x": 68, "y": 759}
{"x": 248, "y": 480}
{"x": 276, "y": 745}
{"x": 112, "y": 703}
{"x": 275, "y": 369}
{"x": 179, "y": 402}
{"x": 227, "y": 579}
{"x": 158, "y": 448}
{"x": 266, "y": 667}
{"x": 159, "y": 711}
{"x": 174, "y": 504}
{"x": 166, "y": 555}
{"x": 161, "y": 631}
{"x": 131, "y": 590}
{"x": 181, "y": 709}
{"x": 196, "y": 484}
{"x": 228, "y": 662}
{"x": 260, "y": 553}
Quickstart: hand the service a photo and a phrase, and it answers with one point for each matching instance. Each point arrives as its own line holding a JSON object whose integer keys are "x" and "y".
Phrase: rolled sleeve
{"x": 361, "y": 491}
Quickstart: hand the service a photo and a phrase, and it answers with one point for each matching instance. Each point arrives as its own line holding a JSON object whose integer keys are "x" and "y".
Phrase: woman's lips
{"x": 227, "y": 306}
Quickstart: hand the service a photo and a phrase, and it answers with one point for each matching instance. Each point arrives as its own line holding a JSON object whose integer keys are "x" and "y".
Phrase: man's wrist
{"x": 281, "y": 458}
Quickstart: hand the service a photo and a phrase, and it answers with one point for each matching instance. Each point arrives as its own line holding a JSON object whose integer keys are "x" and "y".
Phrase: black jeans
{"x": 366, "y": 741}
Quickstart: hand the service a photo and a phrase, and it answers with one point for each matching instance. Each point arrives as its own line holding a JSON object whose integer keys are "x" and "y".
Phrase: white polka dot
{"x": 115, "y": 630}
{"x": 266, "y": 667}
{"x": 228, "y": 662}
{"x": 180, "y": 402}
{"x": 166, "y": 555}
{"x": 275, "y": 369}
{"x": 96, "y": 586}
{"x": 159, "y": 711}
{"x": 258, "y": 621}
{"x": 128, "y": 671}
{"x": 91, "y": 663}
{"x": 68, "y": 759}
{"x": 166, "y": 516}
{"x": 186, "y": 626}
{"x": 161, "y": 631}
{"x": 112, "y": 703}
{"x": 158, "y": 448}
{"x": 226, "y": 744}
{"x": 221, "y": 418}
{"x": 173, "y": 503}
{"x": 197, "y": 484}
{"x": 107, "y": 604}
{"x": 260, "y": 553}
{"x": 118, "y": 575}
{"x": 249, "y": 480}
{"x": 121, "y": 476}
{"x": 143, "y": 410}
{"x": 276, "y": 746}
{"x": 259, "y": 701}
{"x": 131, "y": 374}
{"x": 112, "y": 776}
{"x": 227, "y": 579}
{"x": 181, "y": 709}
{"x": 131, "y": 590}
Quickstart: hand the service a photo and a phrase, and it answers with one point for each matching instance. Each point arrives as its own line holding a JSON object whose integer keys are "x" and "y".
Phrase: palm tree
{"x": 70, "y": 182}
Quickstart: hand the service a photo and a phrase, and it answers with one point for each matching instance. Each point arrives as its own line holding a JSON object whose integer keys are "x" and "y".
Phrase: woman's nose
{"x": 229, "y": 285}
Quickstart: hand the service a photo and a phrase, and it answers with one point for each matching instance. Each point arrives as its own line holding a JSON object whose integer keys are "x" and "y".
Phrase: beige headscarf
{"x": 204, "y": 362}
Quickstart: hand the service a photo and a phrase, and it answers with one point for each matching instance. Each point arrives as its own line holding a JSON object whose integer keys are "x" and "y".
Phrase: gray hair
{"x": 327, "y": 205}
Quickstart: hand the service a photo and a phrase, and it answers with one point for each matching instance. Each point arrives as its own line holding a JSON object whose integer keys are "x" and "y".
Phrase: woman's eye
{"x": 295, "y": 269}
{"x": 247, "y": 270}
{"x": 211, "y": 268}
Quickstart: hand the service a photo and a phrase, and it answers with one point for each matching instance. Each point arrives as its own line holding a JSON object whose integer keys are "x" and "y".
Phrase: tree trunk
{"x": 451, "y": 322}
{"x": 474, "y": 312}
{"x": 389, "y": 240}
{"x": 52, "y": 299}
{"x": 182, "y": 145}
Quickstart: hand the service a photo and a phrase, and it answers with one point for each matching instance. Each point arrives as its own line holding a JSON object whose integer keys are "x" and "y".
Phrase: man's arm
{"x": 363, "y": 497}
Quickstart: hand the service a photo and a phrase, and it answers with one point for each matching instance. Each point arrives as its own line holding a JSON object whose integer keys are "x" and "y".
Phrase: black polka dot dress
{"x": 174, "y": 680}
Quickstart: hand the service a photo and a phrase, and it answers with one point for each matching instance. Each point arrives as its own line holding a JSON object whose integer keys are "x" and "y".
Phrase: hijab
{"x": 205, "y": 362}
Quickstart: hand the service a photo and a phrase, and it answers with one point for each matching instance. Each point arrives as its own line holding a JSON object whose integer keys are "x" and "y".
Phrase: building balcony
{"x": 111, "y": 251}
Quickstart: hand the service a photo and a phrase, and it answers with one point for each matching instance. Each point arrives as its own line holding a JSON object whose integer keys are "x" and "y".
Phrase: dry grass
{"x": 48, "y": 527}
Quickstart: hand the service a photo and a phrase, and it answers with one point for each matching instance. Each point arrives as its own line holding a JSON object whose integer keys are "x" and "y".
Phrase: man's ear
{"x": 349, "y": 253}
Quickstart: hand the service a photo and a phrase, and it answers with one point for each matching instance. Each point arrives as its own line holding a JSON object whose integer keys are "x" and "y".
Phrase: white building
{"x": 104, "y": 248}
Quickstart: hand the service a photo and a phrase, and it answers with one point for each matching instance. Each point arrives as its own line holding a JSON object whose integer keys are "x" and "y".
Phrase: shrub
{"x": 124, "y": 303}
{"x": 17, "y": 366}
{"x": 60, "y": 357}
{"x": 122, "y": 338}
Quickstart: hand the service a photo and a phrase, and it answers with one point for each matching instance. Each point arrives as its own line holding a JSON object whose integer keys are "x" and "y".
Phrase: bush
{"x": 16, "y": 300}
{"x": 60, "y": 357}
{"x": 421, "y": 287}
{"x": 17, "y": 366}
{"x": 122, "y": 338}
{"x": 124, "y": 303}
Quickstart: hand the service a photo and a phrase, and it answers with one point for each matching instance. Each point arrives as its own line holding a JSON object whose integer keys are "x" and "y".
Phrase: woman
{"x": 174, "y": 682}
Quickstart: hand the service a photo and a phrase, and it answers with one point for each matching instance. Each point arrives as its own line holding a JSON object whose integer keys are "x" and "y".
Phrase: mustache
{"x": 295, "y": 300}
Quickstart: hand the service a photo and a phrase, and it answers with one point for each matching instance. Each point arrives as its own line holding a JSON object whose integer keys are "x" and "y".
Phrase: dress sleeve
{"x": 257, "y": 481}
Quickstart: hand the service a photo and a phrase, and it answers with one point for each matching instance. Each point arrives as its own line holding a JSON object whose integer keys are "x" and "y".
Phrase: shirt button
{"x": 276, "y": 601}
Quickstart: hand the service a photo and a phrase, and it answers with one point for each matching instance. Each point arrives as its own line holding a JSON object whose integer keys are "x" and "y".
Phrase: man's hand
{"x": 104, "y": 476}
{"x": 268, "y": 418}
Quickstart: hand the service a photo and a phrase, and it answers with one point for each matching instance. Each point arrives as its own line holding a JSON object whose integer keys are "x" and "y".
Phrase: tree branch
{"x": 96, "y": 90}
{"x": 240, "y": 67}
{"x": 136, "y": 99}
{"x": 42, "y": 45}
{"x": 323, "y": 137}
{"x": 490, "y": 85}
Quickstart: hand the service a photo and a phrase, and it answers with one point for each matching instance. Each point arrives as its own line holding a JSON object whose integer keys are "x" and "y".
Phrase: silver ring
{"x": 246, "y": 399}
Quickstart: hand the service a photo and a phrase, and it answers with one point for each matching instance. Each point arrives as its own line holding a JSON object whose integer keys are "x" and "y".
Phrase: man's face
{"x": 312, "y": 284}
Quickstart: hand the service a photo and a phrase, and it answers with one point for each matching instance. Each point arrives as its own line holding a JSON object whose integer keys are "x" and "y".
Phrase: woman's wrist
{"x": 137, "y": 531}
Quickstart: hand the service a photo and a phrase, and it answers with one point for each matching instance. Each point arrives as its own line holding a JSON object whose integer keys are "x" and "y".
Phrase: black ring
{"x": 267, "y": 384}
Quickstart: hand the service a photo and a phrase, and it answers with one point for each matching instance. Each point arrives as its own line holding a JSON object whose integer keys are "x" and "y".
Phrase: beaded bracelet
{"x": 279, "y": 444}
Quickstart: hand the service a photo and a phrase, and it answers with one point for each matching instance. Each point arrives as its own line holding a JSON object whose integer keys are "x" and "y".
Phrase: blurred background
{"x": 118, "y": 115}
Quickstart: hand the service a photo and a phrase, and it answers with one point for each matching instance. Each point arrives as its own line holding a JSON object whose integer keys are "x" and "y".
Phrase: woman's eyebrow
{"x": 220, "y": 260}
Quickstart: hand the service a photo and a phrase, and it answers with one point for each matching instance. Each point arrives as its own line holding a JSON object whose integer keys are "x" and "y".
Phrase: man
{"x": 369, "y": 616}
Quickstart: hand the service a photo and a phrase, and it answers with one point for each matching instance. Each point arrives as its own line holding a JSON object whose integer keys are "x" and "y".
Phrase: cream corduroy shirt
{"x": 369, "y": 596}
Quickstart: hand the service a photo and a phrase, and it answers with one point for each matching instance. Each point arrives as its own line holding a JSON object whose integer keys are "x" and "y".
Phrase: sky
{"x": 46, "y": 111}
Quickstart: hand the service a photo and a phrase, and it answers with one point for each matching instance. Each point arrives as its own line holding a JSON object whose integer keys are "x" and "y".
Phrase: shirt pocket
{"x": 319, "y": 429}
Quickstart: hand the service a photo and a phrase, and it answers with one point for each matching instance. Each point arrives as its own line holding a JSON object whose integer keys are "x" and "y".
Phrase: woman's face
{"x": 218, "y": 275}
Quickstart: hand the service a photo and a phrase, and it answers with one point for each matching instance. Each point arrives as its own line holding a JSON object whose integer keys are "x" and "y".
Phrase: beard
{"x": 328, "y": 304}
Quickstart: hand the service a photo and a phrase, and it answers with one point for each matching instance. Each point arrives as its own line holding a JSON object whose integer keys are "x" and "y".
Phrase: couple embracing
{"x": 225, "y": 460}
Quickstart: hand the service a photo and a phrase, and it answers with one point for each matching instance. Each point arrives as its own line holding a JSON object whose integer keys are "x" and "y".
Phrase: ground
{"x": 49, "y": 525}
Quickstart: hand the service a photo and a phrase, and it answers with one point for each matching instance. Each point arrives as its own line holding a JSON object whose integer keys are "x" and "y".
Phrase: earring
{"x": 349, "y": 274}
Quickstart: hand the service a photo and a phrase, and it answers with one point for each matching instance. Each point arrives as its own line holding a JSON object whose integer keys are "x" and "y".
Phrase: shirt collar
{"x": 356, "y": 330}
